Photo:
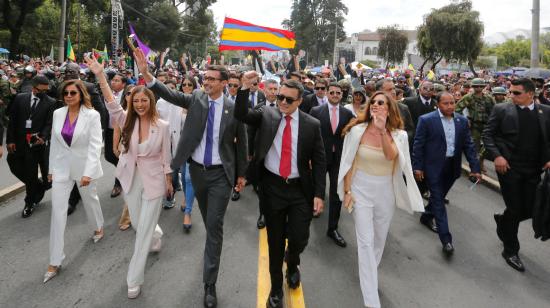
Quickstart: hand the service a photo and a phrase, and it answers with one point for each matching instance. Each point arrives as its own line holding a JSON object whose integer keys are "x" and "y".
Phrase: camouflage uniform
{"x": 5, "y": 97}
{"x": 479, "y": 110}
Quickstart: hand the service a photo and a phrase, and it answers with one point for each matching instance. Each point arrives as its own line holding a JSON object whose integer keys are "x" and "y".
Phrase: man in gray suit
{"x": 215, "y": 145}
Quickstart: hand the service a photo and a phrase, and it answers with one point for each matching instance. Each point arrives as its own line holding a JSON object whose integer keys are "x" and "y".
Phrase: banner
{"x": 240, "y": 35}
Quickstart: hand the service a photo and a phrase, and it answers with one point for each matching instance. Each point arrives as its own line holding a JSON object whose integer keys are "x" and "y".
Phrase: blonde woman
{"x": 375, "y": 157}
{"x": 143, "y": 169}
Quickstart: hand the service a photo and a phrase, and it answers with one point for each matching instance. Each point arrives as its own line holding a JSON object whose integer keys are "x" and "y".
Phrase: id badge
{"x": 28, "y": 123}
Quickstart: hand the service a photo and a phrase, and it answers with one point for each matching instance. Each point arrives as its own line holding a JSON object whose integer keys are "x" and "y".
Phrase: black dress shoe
{"x": 27, "y": 211}
{"x": 39, "y": 195}
{"x": 430, "y": 224}
{"x": 293, "y": 278}
{"x": 498, "y": 220}
{"x": 116, "y": 191}
{"x": 446, "y": 201}
{"x": 275, "y": 299}
{"x": 71, "y": 209}
{"x": 448, "y": 249}
{"x": 337, "y": 238}
{"x": 210, "y": 300}
{"x": 235, "y": 195}
{"x": 261, "y": 222}
{"x": 514, "y": 261}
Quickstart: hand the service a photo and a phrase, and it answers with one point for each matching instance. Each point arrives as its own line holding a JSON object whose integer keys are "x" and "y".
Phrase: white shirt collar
{"x": 531, "y": 107}
{"x": 330, "y": 106}
{"x": 268, "y": 103}
{"x": 294, "y": 115}
{"x": 219, "y": 100}
{"x": 33, "y": 97}
{"x": 442, "y": 116}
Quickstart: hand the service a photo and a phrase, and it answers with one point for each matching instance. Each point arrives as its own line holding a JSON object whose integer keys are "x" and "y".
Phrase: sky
{"x": 498, "y": 16}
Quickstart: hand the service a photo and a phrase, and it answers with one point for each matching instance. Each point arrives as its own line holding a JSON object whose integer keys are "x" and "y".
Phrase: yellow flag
{"x": 70, "y": 51}
{"x": 431, "y": 75}
{"x": 411, "y": 67}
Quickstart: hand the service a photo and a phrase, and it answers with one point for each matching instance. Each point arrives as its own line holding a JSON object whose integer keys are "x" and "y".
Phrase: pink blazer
{"x": 153, "y": 165}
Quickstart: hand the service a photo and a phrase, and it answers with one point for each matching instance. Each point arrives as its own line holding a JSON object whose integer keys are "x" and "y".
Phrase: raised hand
{"x": 141, "y": 61}
{"x": 94, "y": 66}
{"x": 248, "y": 79}
{"x": 380, "y": 119}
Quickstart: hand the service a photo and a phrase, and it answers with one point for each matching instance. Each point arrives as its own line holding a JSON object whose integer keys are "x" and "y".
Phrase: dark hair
{"x": 40, "y": 80}
{"x": 171, "y": 81}
{"x": 393, "y": 122}
{"x": 336, "y": 85}
{"x": 271, "y": 81}
{"x": 234, "y": 76}
{"x": 323, "y": 81}
{"x": 527, "y": 84}
{"x": 123, "y": 78}
{"x": 443, "y": 93}
{"x": 84, "y": 95}
{"x": 399, "y": 91}
{"x": 295, "y": 74}
{"x": 293, "y": 84}
{"x": 224, "y": 73}
{"x": 190, "y": 79}
{"x": 380, "y": 83}
{"x": 162, "y": 74}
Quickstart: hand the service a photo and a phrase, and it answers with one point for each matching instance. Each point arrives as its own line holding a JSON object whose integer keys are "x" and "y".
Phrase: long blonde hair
{"x": 394, "y": 116}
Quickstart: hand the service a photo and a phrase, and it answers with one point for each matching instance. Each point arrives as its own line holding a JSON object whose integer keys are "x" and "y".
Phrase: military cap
{"x": 499, "y": 90}
{"x": 478, "y": 82}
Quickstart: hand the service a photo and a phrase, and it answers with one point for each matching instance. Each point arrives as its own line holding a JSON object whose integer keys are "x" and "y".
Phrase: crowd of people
{"x": 383, "y": 142}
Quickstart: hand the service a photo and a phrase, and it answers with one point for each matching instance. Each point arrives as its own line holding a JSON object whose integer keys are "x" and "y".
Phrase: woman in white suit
{"x": 375, "y": 157}
{"x": 75, "y": 152}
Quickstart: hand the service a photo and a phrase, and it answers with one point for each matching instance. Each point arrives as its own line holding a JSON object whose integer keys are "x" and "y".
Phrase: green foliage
{"x": 14, "y": 13}
{"x": 314, "y": 23}
{"x": 370, "y": 63}
{"x": 161, "y": 26}
{"x": 517, "y": 52}
{"x": 393, "y": 44}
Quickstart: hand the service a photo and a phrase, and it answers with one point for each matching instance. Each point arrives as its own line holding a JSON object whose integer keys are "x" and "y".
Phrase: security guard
{"x": 479, "y": 107}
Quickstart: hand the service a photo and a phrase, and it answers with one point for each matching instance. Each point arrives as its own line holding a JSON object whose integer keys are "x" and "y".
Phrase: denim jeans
{"x": 187, "y": 188}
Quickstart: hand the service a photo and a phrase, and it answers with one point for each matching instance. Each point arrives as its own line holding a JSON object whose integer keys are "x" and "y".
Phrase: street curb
{"x": 486, "y": 180}
{"x": 11, "y": 191}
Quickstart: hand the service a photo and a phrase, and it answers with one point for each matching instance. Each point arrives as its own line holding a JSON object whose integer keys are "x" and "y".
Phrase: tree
{"x": 393, "y": 44}
{"x": 453, "y": 32}
{"x": 426, "y": 48}
{"x": 14, "y": 14}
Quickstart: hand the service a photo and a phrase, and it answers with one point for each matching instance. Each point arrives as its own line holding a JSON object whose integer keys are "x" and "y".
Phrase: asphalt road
{"x": 413, "y": 272}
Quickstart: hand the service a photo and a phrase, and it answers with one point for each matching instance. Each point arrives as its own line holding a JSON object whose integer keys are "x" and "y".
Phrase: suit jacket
{"x": 500, "y": 135}
{"x": 251, "y": 130}
{"x": 430, "y": 146}
{"x": 20, "y": 112}
{"x": 332, "y": 140}
{"x": 311, "y": 155}
{"x": 83, "y": 156}
{"x": 417, "y": 107}
{"x": 407, "y": 121}
{"x": 308, "y": 102}
{"x": 153, "y": 165}
{"x": 407, "y": 197}
{"x": 233, "y": 141}
{"x": 97, "y": 102}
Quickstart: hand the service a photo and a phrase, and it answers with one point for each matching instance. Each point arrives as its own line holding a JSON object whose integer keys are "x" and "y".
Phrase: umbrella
{"x": 316, "y": 69}
{"x": 537, "y": 73}
{"x": 4, "y": 50}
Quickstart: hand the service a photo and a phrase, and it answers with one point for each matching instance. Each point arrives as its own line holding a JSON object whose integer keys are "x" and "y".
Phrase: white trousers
{"x": 144, "y": 215}
{"x": 60, "y": 204}
{"x": 373, "y": 211}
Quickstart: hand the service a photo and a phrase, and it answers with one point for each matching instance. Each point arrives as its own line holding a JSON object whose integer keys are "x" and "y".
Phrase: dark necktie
{"x": 272, "y": 105}
{"x": 252, "y": 96}
{"x": 209, "y": 135}
{"x": 33, "y": 105}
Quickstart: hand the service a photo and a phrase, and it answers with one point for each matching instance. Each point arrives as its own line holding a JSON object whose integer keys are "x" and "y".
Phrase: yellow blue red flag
{"x": 240, "y": 35}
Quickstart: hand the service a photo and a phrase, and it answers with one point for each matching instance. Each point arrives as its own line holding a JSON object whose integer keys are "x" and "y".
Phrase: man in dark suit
{"x": 29, "y": 130}
{"x": 387, "y": 85}
{"x": 517, "y": 136}
{"x": 319, "y": 97}
{"x": 290, "y": 161}
{"x": 72, "y": 72}
{"x": 441, "y": 138}
{"x": 215, "y": 145}
{"x": 333, "y": 118}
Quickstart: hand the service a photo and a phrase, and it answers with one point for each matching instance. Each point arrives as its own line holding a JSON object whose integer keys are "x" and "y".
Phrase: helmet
{"x": 478, "y": 82}
{"x": 499, "y": 90}
{"x": 29, "y": 70}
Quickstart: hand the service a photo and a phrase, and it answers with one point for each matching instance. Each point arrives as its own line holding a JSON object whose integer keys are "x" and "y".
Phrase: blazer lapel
{"x": 135, "y": 139}
{"x": 80, "y": 123}
{"x": 542, "y": 122}
{"x": 325, "y": 124}
{"x": 301, "y": 131}
{"x": 458, "y": 131}
{"x": 225, "y": 116}
{"x": 275, "y": 121}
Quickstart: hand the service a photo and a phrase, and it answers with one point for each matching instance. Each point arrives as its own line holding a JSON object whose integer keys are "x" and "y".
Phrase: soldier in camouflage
{"x": 499, "y": 94}
{"x": 5, "y": 97}
{"x": 479, "y": 107}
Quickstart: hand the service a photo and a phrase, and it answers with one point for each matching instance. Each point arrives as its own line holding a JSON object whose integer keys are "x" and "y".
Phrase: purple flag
{"x": 146, "y": 50}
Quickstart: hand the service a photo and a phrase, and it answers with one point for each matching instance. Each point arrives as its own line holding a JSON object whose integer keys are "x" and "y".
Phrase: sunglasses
{"x": 320, "y": 88}
{"x": 210, "y": 79}
{"x": 428, "y": 89}
{"x": 233, "y": 85}
{"x": 70, "y": 93}
{"x": 378, "y": 102}
{"x": 516, "y": 93}
{"x": 255, "y": 84}
{"x": 187, "y": 84}
{"x": 286, "y": 99}
{"x": 335, "y": 93}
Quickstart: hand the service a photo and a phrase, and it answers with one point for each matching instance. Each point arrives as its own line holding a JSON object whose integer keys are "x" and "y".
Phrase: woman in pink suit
{"x": 143, "y": 169}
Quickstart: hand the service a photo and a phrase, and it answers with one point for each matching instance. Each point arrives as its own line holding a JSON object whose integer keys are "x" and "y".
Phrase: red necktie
{"x": 286, "y": 150}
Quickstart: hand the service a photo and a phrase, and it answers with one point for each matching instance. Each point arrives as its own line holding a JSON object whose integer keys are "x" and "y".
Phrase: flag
{"x": 105, "y": 53}
{"x": 101, "y": 56}
{"x": 240, "y": 35}
{"x": 51, "y": 53}
{"x": 411, "y": 67}
{"x": 70, "y": 51}
{"x": 149, "y": 54}
{"x": 431, "y": 75}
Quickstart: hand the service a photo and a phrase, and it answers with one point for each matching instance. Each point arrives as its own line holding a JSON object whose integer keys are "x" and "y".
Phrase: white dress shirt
{"x": 173, "y": 115}
{"x": 424, "y": 101}
{"x": 531, "y": 106}
{"x": 273, "y": 157}
{"x": 321, "y": 101}
{"x": 198, "y": 154}
{"x": 118, "y": 98}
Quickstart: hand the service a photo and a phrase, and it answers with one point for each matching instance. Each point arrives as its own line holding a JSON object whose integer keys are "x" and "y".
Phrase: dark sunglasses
{"x": 70, "y": 93}
{"x": 319, "y": 88}
{"x": 335, "y": 93}
{"x": 187, "y": 84}
{"x": 255, "y": 84}
{"x": 233, "y": 85}
{"x": 428, "y": 89}
{"x": 516, "y": 93}
{"x": 286, "y": 99}
{"x": 378, "y": 102}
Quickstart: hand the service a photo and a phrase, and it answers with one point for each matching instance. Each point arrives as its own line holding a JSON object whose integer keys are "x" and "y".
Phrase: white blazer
{"x": 407, "y": 197}
{"x": 83, "y": 157}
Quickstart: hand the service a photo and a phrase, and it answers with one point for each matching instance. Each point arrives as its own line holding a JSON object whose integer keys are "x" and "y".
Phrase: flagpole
{"x": 61, "y": 55}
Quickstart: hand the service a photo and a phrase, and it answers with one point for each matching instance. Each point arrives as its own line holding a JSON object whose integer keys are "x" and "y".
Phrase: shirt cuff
{"x": 151, "y": 83}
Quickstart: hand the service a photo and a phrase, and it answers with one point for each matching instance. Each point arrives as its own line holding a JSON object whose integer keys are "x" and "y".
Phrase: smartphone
{"x": 131, "y": 42}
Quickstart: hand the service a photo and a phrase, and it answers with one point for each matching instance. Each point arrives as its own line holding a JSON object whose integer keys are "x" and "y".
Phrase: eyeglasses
{"x": 233, "y": 85}
{"x": 320, "y": 88}
{"x": 70, "y": 93}
{"x": 286, "y": 99}
{"x": 428, "y": 89}
{"x": 254, "y": 84}
{"x": 378, "y": 102}
{"x": 187, "y": 84}
{"x": 210, "y": 79}
{"x": 517, "y": 93}
{"x": 335, "y": 93}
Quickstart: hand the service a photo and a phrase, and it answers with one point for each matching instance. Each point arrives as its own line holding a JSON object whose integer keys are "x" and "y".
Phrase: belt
{"x": 283, "y": 180}
{"x": 203, "y": 167}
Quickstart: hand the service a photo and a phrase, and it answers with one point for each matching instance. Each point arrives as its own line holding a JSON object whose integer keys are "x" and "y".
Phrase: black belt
{"x": 281, "y": 179}
{"x": 203, "y": 167}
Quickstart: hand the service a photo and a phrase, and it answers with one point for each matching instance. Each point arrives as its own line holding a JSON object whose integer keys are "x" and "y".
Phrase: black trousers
{"x": 335, "y": 205}
{"x": 108, "y": 150}
{"x": 518, "y": 187}
{"x": 24, "y": 165}
{"x": 288, "y": 215}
